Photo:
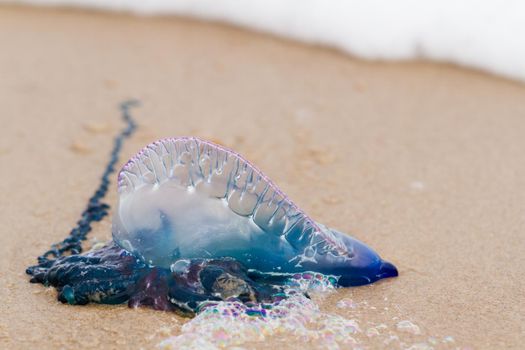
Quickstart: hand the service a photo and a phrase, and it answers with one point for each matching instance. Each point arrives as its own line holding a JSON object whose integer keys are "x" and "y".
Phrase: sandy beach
{"x": 424, "y": 162}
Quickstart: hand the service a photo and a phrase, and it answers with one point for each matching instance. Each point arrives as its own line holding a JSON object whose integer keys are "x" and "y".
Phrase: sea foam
{"x": 482, "y": 34}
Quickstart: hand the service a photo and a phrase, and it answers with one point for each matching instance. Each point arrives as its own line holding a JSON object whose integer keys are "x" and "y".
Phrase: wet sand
{"x": 424, "y": 162}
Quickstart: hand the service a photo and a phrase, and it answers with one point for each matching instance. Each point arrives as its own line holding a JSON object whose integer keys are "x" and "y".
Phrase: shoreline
{"x": 253, "y": 31}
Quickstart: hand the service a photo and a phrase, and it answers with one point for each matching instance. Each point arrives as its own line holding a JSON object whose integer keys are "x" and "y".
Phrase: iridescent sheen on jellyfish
{"x": 186, "y": 198}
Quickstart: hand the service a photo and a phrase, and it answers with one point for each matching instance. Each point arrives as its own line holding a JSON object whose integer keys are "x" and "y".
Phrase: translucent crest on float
{"x": 189, "y": 198}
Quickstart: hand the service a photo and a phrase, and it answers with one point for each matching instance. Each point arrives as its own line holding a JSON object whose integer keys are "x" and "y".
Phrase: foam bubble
{"x": 408, "y": 326}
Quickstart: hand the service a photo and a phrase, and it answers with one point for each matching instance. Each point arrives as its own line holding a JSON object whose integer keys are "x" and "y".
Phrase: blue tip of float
{"x": 387, "y": 270}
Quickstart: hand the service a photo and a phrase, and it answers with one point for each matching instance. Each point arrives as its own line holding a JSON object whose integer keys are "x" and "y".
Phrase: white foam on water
{"x": 483, "y": 34}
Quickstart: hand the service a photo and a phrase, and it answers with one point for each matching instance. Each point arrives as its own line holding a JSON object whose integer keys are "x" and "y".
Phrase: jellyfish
{"x": 187, "y": 198}
{"x": 196, "y": 223}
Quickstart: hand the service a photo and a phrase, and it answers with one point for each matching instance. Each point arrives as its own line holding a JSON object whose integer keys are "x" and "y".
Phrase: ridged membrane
{"x": 190, "y": 198}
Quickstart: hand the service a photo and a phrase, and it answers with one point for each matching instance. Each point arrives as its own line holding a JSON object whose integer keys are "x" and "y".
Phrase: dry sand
{"x": 424, "y": 162}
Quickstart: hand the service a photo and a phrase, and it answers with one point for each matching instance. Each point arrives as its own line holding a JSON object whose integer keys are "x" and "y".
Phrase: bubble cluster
{"x": 232, "y": 324}
{"x": 302, "y": 317}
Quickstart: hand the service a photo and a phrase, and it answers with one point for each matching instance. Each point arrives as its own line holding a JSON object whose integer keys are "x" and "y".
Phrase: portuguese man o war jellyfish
{"x": 197, "y": 224}
{"x": 186, "y": 198}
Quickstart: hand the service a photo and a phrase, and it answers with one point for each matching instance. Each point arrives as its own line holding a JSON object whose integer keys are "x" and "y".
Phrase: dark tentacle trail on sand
{"x": 112, "y": 275}
{"x": 95, "y": 210}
